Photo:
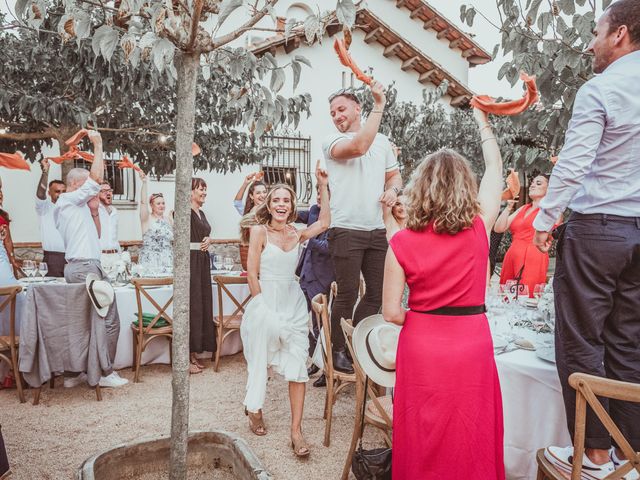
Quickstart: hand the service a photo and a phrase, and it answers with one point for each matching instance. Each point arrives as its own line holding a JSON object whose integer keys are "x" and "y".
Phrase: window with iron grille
{"x": 289, "y": 162}
{"x": 122, "y": 180}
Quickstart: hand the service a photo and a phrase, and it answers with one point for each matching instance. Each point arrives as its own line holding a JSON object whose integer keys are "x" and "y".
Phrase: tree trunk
{"x": 187, "y": 66}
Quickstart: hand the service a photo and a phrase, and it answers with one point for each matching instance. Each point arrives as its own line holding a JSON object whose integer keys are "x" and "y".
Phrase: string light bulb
{"x": 163, "y": 139}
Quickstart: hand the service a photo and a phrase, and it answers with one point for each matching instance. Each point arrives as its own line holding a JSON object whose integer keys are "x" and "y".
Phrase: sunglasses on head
{"x": 154, "y": 196}
{"x": 345, "y": 92}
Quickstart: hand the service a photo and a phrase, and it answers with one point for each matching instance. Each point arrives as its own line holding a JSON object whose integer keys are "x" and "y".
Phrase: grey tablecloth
{"x": 61, "y": 332}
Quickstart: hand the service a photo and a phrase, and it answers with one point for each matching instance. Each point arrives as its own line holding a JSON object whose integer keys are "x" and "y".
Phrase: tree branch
{"x": 195, "y": 22}
{"x": 20, "y": 137}
{"x": 230, "y": 37}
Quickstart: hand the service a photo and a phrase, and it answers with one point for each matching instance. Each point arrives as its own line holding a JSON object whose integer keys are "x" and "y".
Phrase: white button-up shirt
{"x": 75, "y": 224}
{"x": 598, "y": 169}
{"x": 51, "y": 238}
{"x": 108, "y": 228}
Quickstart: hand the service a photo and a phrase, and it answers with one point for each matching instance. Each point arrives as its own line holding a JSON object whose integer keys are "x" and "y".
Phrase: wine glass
{"x": 511, "y": 290}
{"x": 217, "y": 262}
{"x": 538, "y": 290}
{"x": 43, "y": 268}
{"x": 29, "y": 268}
{"x": 228, "y": 263}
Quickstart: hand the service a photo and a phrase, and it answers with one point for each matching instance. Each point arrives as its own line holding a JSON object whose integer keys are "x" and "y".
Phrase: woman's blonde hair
{"x": 263, "y": 216}
{"x": 443, "y": 190}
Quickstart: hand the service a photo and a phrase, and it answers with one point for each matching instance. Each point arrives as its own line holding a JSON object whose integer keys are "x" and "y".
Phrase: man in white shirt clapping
{"x": 78, "y": 222}
{"x": 52, "y": 243}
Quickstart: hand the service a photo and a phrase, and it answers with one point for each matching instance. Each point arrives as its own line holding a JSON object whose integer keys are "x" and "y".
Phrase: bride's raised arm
{"x": 324, "y": 220}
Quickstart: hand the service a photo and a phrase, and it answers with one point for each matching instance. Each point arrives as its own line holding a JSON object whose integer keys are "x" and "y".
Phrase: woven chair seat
{"x": 5, "y": 342}
{"x": 153, "y": 331}
{"x": 387, "y": 404}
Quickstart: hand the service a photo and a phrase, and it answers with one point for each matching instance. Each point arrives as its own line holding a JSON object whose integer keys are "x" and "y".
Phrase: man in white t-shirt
{"x": 52, "y": 243}
{"x": 78, "y": 221}
{"x": 363, "y": 174}
{"x": 108, "y": 227}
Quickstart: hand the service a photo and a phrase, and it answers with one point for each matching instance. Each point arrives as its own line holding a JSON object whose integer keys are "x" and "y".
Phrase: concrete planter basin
{"x": 207, "y": 451}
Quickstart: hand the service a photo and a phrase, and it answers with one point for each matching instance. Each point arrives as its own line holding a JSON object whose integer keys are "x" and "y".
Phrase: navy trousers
{"x": 597, "y": 300}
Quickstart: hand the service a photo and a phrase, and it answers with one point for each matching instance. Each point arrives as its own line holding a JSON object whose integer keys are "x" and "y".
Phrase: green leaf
{"x": 277, "y": 79}
{"x": 288, "y": 26}
{"x": 226, "y": 8}
{"x": 311, "y": 27}
{"x": 162, "y": 53}
{"x": 471, "y": 13}
{"x": 346, "y": 12}
{"x": 105, "y": 41}
{"x": 82, "y": 24}
{"x": 567, "y": 6}
{"x": 605, "y": 4}
{"x": 300, "y": 58}
{"x": 297, "y": 69}
{"x": 463, "y": 12}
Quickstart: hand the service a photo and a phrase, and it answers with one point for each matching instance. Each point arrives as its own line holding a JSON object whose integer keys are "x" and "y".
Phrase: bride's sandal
{"x": 300, "y": 446}
{"x": 256, "y": 423}
{"x": 193, "y": 368}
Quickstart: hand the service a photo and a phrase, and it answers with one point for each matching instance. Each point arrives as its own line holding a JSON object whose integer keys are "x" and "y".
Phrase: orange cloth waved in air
{"x": 13, "y": 161}
{"x": 127, "y": 163}
{"x": 347, "y": 61}
{"x": 513, "y": 186}
{"x": 73, "y": 153}
{"x": 75, "y": 139}
{"x": 195, "y": 149}
{"x": 554, "y": 159}
{"x": 513, "y": 107}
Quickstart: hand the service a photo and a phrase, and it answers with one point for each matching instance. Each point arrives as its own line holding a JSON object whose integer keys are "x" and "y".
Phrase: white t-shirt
{"x": 51, "y": 238}
{"x": 108, "y": 228}
{"x": 357, "y": 184}
{"x": 74, "y": 222}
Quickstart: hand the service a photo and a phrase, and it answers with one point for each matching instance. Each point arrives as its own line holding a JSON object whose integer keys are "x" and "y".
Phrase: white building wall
{"x": 324, "y": 78}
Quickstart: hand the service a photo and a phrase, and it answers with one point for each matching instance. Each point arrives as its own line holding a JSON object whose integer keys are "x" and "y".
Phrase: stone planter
{"x": 207, "y": 450}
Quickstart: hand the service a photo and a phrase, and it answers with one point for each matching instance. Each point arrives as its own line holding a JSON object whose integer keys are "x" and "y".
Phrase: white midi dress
{"x": 275, "y": 326}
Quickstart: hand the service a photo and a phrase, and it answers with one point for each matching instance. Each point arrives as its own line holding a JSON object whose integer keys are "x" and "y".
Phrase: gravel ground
{"x": 51, "y": 440}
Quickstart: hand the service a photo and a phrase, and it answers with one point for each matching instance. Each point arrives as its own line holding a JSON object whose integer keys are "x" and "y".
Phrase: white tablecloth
{"x": 158, "y": 350}
{"x": 534, "y": 415}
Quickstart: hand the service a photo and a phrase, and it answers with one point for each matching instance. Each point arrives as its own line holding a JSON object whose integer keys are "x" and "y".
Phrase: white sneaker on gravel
{"x": 112, "y": 381}
{"x": 617, "y": 462}
{"x": 70, "y": 382}
{"x": 562, "y": 459}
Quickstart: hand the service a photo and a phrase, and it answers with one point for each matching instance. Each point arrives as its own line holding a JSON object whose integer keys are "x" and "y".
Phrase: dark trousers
{"x": 4, "y": 461}
{"x": 55, "y": 262}
{"x": 352, "y": 252}
{"x": 597, "y": 300}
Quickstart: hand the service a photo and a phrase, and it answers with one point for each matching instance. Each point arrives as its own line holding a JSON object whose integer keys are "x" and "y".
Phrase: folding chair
{"x": 160, "y": 326}
{"x": 588, "y": 388}
{"x": 227, "y": 324}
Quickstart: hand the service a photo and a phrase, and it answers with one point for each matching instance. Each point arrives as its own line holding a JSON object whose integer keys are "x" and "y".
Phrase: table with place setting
{"x": 534, "y": 415}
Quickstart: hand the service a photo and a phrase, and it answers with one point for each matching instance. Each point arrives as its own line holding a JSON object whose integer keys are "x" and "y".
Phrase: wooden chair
{"x": 336, "y": 381}
{"x": 9, "y": 343}
{"x": 379, "y": 410}
{"x": 143, "y": 335}
{"x": 227, "y": 324}
{"x": 588, "y": 388}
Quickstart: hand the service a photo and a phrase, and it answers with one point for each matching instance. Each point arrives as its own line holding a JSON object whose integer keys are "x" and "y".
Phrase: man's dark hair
{"x": 53, "y": 182}
{"x": 625, "y": 12}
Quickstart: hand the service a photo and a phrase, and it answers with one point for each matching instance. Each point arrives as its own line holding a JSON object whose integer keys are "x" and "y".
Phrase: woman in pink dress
{"x": 447, "y": 412}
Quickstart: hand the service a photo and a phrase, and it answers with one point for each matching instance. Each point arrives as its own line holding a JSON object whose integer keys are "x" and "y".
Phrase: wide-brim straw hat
{"x": 375, "y": 345}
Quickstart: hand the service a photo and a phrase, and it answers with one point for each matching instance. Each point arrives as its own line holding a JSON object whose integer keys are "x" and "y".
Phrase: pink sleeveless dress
{"x": 447, "y": 415}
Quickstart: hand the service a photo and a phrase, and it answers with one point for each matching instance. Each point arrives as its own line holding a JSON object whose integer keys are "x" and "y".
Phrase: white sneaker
{"x": 562, "y": 459}
{"x": 117, "y": 376}
{"x": 112, "y": 381}
{"x": 70, "y": 382}
{"x": 617, "y": 463}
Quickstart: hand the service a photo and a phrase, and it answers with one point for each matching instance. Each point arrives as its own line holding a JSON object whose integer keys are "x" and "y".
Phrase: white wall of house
{"x": 324, "y": 78}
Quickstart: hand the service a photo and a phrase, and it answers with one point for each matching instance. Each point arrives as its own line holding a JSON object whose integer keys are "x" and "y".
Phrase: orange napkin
{"x": 13, "y": 161}
{"x": 75, "y": 140}
{"x": 513, "y": 186}
{"x": 554, "y": 159}
{"x": 126, "y": 163}
{"x": 195, "y": 149}
{"x": 513, "y": 107}
{"x": 347, "y": 61}
{"x": 73, "y": 153}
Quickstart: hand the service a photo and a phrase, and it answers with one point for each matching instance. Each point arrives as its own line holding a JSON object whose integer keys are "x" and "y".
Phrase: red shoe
{"x": 9, "y": 381}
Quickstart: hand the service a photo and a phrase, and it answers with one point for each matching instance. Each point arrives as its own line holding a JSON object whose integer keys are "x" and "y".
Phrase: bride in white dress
{"x": 274, "y": 328}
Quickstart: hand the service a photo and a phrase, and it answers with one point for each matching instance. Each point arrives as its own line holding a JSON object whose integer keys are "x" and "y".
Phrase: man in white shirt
{"x": 52, "y": 243}
{"x": 597, "y": 277}
{"x": 363, "y": 174}
{"x": 78, "y": 222}
{"x": 108, "y": 227}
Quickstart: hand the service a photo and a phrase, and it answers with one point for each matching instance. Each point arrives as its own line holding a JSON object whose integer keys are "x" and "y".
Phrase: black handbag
{"x": 372, "y": 464}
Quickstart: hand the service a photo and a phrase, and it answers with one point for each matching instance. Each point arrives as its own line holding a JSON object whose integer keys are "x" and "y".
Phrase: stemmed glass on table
{"x": 44, "y": 269}
{"x": 228, "y": 263}
{"x": 217, "y": 262}
{"x": 29, "y": 268}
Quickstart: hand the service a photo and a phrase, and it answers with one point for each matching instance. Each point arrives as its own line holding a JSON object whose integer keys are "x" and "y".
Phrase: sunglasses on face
{"x": 345, "y": 92}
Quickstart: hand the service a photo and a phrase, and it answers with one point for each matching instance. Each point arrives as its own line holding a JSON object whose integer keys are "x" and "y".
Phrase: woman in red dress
{"x": 447, "y": 411}
{"x": 523, "y": 260}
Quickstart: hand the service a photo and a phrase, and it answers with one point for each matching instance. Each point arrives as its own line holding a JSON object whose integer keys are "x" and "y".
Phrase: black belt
{"x": 455, "y": 311}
